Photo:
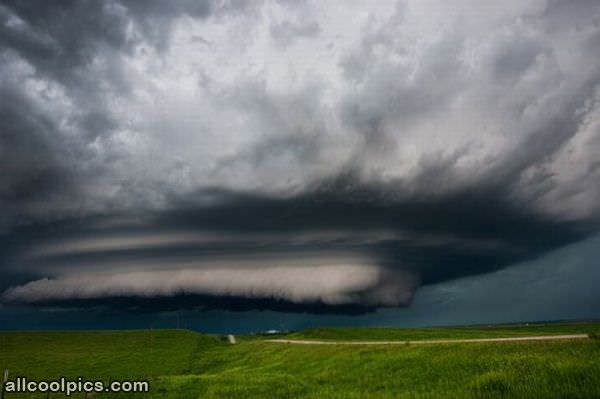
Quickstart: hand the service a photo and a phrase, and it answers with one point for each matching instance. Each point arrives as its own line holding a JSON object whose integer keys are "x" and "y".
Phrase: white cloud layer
{"x": 331, "y": 285}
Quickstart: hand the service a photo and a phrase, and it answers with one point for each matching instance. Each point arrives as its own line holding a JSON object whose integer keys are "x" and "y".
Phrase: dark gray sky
{"x": 320, "y": 157}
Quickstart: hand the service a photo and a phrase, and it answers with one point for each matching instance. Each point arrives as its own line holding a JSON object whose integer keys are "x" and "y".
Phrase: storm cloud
{"x": 290, "y": 155}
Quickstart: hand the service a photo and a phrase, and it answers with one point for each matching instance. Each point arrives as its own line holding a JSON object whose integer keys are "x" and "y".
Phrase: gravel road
{"x": 432, "y": 341}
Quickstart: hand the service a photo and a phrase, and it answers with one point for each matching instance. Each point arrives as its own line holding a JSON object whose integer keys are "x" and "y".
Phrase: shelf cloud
{"x": 270, "y": 153}
{"x": 328, "y": 285}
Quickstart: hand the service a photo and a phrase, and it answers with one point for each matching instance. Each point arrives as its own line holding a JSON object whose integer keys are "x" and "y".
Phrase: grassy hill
{"x": 184, "y": 364}
{"x": 102, "y": 354}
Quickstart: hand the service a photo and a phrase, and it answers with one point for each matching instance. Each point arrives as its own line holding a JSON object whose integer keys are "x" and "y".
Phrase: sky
{"x": 247, "y": 165}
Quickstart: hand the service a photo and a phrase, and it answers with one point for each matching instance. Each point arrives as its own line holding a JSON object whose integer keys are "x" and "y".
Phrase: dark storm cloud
{"x": 466, "y": 235}
{"x": 30, "y": 160}
{"x": 61, "y": 62}
{"x": 250, "y": 154}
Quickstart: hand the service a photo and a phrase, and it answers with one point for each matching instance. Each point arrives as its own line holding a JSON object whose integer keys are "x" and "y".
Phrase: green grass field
{"x": 184, "y": 364}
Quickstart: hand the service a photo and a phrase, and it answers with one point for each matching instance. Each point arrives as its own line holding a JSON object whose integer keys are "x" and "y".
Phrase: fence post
{"x": 4, "y": 380}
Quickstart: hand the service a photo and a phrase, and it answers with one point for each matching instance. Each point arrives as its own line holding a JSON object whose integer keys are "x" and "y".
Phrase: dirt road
{"x": 433, "y": 341}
